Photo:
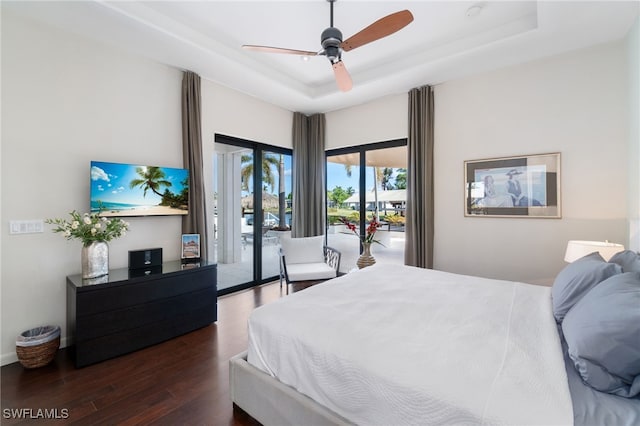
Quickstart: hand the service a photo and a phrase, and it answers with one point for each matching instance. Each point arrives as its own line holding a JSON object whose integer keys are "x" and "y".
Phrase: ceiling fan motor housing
{"x": 331, "y": 39}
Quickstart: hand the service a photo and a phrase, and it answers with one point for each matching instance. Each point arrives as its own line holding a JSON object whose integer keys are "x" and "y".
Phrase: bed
{"x": 397, "y": 345}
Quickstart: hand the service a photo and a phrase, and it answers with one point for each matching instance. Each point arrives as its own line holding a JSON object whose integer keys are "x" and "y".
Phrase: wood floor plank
{"x": 181, "y": 381}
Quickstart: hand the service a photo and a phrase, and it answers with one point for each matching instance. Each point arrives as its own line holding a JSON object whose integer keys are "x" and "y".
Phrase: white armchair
{"x": 304, "y": 259}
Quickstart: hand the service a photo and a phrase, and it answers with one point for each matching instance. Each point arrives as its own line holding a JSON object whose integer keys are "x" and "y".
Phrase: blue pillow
{"x": 602, "y": 332}
{"x": 629, "y": 260}
{"x": 576, "y": 279}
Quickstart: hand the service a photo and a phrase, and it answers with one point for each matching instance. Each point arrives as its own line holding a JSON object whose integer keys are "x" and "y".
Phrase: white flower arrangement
{"x": 90, "y": 228}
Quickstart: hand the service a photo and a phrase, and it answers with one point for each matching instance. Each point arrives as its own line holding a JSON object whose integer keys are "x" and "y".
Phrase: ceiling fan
{"x": 333, "y": 46}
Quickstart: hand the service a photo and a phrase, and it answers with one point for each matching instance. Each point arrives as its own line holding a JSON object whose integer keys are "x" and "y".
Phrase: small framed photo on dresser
{"x": 190, "y": 247}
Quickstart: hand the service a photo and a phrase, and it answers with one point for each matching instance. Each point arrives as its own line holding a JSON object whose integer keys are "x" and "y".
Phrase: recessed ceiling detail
{"x": 442, "y": 42}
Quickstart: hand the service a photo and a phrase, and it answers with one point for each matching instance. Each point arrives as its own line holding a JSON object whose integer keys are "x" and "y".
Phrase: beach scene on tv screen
{"x": 134, "y": 190}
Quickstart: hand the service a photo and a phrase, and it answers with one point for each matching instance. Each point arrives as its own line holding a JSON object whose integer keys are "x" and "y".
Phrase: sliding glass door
{"x": 252, "y": 184}
{"x": 276, "y": 208}
{"x": 343, "y": 201}
{"x": 366, "y": 182}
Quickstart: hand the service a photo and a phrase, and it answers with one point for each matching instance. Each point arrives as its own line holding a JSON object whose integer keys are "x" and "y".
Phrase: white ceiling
{"x": 442, "y": 43}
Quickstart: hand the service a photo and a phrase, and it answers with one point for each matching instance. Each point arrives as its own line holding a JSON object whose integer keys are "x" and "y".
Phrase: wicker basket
{"x": 37, "y": 347}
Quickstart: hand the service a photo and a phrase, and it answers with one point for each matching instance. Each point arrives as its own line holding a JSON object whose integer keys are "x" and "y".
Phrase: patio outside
{"x": 230, "y": 274}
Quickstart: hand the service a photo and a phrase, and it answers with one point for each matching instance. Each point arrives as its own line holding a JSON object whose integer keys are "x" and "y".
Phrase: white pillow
{"x": 303, "y": 250}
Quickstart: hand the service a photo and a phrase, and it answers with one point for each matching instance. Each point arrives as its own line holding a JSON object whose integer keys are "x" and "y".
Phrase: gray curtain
{"x": 419, "y": 218}
{"x": 308, "y": 216}
{"x": 196, "y": 221}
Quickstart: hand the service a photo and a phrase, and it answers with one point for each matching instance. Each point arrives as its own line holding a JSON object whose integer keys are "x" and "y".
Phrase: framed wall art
{"x": 524, "y": 186}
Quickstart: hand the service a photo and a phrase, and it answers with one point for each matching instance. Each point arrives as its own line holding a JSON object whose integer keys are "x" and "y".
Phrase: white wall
{"x": 633, "y": 73}
{"x": 232, "y": 113}
{"x": 574, "y": 104}
{"x": 376, "y": 121}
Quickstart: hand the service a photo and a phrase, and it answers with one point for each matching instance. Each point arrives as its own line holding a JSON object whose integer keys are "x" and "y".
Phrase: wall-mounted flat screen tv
{"x": 134, "y": 190}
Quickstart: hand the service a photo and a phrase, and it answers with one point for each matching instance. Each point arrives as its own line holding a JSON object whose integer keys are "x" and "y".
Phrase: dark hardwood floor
{"x": 182, "y": 381}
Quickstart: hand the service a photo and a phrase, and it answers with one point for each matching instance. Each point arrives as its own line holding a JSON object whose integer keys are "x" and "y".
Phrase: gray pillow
{"x": 629, "y": 260}
{"x": 576, "y": 279}
{"x": 603, "y": 334}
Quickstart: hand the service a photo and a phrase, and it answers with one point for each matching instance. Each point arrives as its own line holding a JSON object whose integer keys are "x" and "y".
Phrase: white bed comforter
{"x": 392, "y": 345}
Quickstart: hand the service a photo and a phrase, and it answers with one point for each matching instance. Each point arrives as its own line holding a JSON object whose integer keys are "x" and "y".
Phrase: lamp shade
{"x": 577, "y": 249}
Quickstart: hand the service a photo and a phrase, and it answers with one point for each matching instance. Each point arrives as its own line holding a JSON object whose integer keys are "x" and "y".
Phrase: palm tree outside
{"x": 246, "y": 173}
{"x": 269, "y": 163}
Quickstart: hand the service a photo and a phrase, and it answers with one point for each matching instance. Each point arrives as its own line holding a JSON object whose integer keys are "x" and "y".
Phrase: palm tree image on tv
{"x": 153, "y": 178}
{"x": 150, "y": 178}
{"x": 132, "y": 190}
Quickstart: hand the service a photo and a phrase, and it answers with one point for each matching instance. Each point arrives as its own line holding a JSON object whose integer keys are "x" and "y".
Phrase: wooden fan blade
{"x": 342, "y": 76}
{"x": 379, "y": 29}
{"x": 269, "y": 49}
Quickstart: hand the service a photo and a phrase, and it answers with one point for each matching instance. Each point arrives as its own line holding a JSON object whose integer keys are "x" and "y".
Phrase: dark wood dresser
{"x": 130, "y": 309}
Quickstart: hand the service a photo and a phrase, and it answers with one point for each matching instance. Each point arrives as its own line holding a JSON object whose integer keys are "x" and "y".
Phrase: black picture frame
{"x": 526, "y": 186}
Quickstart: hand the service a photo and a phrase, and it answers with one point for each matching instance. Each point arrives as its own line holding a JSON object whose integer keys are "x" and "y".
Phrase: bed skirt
{"x": 272, "y": 403}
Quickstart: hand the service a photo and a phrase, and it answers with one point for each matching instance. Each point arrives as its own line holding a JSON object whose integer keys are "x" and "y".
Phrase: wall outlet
{"x": 26, "y": 226}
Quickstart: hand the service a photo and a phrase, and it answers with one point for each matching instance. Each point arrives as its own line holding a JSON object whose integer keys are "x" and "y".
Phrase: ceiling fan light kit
{"x": 333, "y": 45}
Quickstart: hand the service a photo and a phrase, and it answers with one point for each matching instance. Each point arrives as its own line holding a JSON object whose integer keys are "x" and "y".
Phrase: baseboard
{"x": 10, "y": 358}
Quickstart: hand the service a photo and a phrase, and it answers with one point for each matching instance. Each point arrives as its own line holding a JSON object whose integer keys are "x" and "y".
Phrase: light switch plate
{"x": 26, "y": 226}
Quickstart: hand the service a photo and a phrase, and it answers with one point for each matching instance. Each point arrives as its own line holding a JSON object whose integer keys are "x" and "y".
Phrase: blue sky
{"x": 110, "y": 183}
{"x": 337, "y": 176}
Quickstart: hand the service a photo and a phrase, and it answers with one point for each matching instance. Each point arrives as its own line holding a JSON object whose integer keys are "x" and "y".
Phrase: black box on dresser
{"x": 145, "y": 258}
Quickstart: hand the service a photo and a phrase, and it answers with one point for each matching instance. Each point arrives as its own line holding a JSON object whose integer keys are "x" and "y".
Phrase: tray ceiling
{"x": 446, "y": 40}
